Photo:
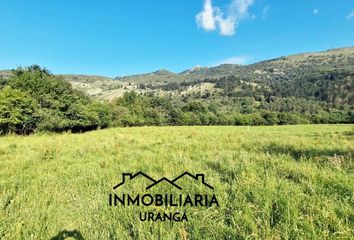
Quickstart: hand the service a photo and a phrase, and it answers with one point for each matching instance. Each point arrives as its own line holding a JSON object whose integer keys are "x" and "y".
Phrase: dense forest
{"x": 33, "y": 100}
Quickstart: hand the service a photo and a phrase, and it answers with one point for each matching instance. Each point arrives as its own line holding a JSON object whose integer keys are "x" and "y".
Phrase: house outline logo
{"x": 177, "y": 201}
{"x": 130, "y": 176}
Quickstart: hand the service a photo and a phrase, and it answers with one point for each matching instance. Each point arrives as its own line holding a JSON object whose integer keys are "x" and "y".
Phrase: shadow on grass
{"x": 305, "y": 153}
{"x": 68, "y": 234}
{"x": 227, "y": 174}
{"x": 348, "y": 134}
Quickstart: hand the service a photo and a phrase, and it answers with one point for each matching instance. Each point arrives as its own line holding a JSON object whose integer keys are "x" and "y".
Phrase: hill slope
{"x": 342, "y": 57}
{"x": 325, "y": 76}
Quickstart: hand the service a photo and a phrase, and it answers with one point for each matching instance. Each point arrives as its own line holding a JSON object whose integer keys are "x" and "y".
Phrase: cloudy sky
{"x": 116, "y": 37}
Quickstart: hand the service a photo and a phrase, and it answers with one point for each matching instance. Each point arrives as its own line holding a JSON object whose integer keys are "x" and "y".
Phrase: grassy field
{"x": 283, "y": 182}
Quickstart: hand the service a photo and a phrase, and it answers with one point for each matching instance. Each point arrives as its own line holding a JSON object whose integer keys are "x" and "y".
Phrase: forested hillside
{"x": 303, "y": 88}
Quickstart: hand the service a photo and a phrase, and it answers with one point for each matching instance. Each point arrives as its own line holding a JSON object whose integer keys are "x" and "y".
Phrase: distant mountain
{"x": 161, "y": 75}
{"x": 5, "y": 74}
{"x": 319, "y": 75}
{"x": 325, "y": 76}
{"x": 196, "y": 73}
{"x": 282, "y": 67}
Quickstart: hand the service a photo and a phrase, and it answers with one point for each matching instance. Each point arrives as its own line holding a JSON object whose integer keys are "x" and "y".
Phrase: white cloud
{"x": 241, "y": 60}
{"x": 265, "y": 12}
{"x": 351, "y": 15}
{"x": 315, "y": 11}
{"x": 214, "y": 18}
{"x": 205, "y": 19}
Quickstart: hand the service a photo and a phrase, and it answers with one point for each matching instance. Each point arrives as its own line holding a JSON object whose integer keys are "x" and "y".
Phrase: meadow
{"x": 272, "y": 182}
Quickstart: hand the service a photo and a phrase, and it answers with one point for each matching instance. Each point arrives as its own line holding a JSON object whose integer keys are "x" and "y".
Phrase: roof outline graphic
{"x": 132, "y": 176}
{"x": 161, "y": 180}
{"x": 164, "y": 179}
{"x": 194, "y": 177}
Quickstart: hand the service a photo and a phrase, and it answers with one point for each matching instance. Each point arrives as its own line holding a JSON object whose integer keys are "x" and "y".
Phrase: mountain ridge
{"x": 197, "y": 67}
{"x": 300, "y": 69}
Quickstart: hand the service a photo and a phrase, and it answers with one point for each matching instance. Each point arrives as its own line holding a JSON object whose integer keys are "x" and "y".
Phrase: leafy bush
{"x": 17, "y": 110}
{"x": 36, "y": 99}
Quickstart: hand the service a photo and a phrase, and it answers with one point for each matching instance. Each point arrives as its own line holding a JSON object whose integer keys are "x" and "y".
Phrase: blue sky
{"x": 115, "y": 37}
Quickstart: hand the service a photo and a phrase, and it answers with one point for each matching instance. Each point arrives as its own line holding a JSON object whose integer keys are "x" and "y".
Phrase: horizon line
{"x": 177, "y": 72}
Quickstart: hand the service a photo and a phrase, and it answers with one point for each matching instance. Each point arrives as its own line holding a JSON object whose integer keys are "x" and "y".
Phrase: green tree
{"x": 103, "y": 111}
{"x": 17, "y": 110}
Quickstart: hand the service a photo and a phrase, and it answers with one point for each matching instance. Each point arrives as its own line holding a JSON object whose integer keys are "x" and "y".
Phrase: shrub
{"x": 16, "y": 112}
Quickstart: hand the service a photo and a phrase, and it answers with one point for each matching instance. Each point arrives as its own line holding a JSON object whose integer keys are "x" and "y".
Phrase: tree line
{"x": 34, "y": 100}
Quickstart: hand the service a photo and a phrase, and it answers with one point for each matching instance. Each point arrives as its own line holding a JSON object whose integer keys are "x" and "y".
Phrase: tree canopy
{"x": 33, "y": 99}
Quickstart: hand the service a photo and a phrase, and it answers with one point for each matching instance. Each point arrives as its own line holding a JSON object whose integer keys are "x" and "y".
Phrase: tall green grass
{"x": 283, "y": 182}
